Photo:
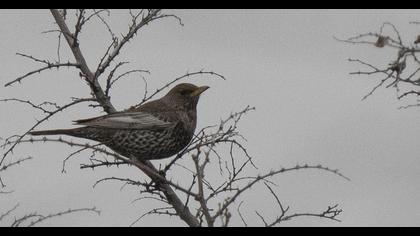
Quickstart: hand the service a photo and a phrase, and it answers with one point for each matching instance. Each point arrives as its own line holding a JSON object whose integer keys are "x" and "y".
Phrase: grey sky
{"x": 283, "y": 62}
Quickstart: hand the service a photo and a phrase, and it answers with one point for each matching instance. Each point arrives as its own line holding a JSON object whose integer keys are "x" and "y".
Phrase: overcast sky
{"x": 284, "y": 62}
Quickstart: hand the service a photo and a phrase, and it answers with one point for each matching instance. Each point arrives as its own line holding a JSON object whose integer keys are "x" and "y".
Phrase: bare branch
{"x": 259, "y": 178}
{"x": 2, "y": 216}
{"x": 35, "y": 218}
{"x": 90, "y": 77}
{"x": 6, "y": 192}
{"x": 77, "y": 101}
{"x": 240, "y": 214}
{"x": 78, "y": 26}
{"x": 47, "y": 67}
{"x": 377, "y": 86}
{"x": 39, "y": 106}
{"x": 126, "y": 180}
{"x": 14, "y": 163}
{"x": 409, "y": 106}
{"x": 262, "y": 218}
{"x": 156, "y": 211}
{"x": 97, "y": 14}
{"x": 148, "y": 169}
{"x": 74, "y": 153}
{"x": 200, "y": 197}
{"x": 331, "y": 213}
{"x": 109, "y": 83}
{"x": 396, "y": 68}
{"x": 103, "y": 163}
{"x": 134, "y": 27}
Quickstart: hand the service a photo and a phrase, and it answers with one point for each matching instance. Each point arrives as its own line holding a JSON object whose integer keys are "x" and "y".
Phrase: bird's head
{"x": 185, "y": 95}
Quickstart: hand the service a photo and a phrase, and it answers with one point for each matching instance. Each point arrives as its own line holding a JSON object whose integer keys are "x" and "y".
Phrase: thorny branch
{"x": 35, "y": 218}
{"x": 14, "y": 163}
{"x": 331, "y": 213}
{"x": 2, "y": 216}
{"x": 401, "y": 71}
{"x": 202, "y": 194}
{"x": 84, "y": 68}
{"x": 149, "y": 170}
{"x": 156, "y": 211}
{"x": 50, "y": 114}
{"x": 48, "y": 66}
{"x": 200, "y": 175}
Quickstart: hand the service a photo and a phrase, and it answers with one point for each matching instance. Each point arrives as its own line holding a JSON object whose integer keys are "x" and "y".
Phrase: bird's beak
{"x": 199, "y": 91}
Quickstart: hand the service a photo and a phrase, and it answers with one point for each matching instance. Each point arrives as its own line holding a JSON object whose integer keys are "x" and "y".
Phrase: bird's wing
{"x": 127, "y": 120}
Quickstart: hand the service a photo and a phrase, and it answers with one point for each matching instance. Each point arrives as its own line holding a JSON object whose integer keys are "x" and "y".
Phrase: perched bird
{"x": 155, "y": 130}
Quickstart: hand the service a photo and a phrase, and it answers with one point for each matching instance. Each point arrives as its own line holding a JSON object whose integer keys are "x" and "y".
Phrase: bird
{"x": 157, "y": 129}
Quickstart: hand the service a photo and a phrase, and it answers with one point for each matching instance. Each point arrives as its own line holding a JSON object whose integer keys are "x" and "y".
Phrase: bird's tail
{"x": 54, "y": 132}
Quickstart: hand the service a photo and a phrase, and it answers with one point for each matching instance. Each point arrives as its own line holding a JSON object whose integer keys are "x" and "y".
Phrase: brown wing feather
{"x": 152, "y": 115}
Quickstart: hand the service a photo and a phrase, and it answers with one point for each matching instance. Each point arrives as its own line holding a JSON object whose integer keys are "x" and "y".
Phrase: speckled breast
{"x": 147, "y": 144}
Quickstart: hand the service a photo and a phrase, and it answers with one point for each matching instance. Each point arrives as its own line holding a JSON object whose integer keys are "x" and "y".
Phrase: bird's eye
{"x": 184, "y": 92}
